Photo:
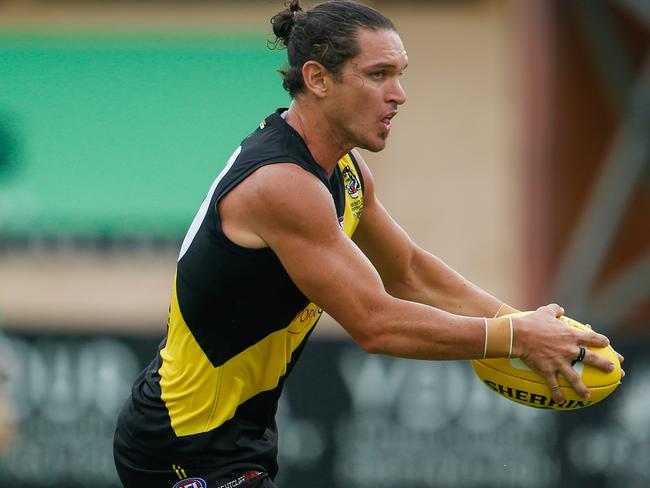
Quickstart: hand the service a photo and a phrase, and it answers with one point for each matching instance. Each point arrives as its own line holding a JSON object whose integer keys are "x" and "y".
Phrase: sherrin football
{"x": 514, "y": 380}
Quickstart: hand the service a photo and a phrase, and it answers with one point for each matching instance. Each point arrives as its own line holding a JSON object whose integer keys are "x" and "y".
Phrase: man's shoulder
{"x": 283, "y": 178}
{"x": 275, "y": 142}
{"x": 272, "y": 140}
{"x": 280, "y": 197}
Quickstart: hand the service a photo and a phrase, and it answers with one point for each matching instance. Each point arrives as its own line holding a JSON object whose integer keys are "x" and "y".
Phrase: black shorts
{"x": 134, "y": 474}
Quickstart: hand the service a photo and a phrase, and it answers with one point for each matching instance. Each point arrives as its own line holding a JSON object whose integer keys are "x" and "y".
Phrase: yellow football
{"x": 514, "y": 380}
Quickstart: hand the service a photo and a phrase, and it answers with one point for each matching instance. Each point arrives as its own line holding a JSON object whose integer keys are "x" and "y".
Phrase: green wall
{"x": 109, "y": 135}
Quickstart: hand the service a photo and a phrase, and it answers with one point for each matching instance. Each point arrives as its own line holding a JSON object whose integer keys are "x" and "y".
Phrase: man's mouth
{"x": 386, "y": 120}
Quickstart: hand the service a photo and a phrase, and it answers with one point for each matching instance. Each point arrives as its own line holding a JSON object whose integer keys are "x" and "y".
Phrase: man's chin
{"x": 374, "y": 146}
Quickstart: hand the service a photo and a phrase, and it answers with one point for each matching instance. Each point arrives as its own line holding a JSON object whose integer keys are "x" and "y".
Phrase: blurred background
{"x": 521, "y": 158}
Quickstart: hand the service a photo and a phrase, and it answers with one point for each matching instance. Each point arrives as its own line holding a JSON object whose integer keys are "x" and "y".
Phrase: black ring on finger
{"x": 581, "y": 356}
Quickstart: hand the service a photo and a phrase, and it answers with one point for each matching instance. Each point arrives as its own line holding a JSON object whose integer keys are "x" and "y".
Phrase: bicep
{"x": 293, "y": 212}
{"x": 321, "y": 260}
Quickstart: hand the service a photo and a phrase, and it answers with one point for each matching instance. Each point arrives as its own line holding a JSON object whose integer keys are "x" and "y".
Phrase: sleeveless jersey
{"x": 237, "y": 325}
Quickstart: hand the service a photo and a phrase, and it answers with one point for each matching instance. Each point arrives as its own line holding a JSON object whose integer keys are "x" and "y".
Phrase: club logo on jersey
{"x": 351, "y": 182}
{"x": 191, "y": 483}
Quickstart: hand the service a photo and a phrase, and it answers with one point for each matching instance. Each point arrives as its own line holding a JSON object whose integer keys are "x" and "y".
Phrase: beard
{"x": 350, "y": 134}
{"x": 371, "y": 142}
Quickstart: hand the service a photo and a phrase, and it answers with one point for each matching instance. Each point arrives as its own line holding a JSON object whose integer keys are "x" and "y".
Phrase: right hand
{"x": 548, "y": 346}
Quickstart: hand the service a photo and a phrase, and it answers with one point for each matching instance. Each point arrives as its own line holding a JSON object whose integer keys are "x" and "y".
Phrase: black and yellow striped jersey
{"x": 237, "y": 325}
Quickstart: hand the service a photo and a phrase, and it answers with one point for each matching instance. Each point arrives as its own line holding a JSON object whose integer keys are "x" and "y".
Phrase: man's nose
{"x": 397, "y": 93}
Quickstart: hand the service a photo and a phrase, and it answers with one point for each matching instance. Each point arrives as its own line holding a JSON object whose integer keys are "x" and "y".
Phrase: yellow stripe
{"x": 175, "y": 468}
{"x": 200, "y": 397}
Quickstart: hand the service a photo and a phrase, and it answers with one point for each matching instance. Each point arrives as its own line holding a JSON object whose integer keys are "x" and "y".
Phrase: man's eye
{"x": 378, "y": 75}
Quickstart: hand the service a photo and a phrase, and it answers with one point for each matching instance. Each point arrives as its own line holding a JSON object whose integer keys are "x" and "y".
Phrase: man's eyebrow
{"x": 384, "y": 66}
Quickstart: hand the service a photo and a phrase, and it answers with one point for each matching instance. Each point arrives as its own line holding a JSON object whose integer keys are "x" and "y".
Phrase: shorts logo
{"x": 244, "y": 479}
{"x": 191, "y": 483}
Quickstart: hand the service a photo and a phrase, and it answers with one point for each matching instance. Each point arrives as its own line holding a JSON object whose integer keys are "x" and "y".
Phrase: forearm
{"x": 412, "y": 330}
{"x": 430, "y": 281}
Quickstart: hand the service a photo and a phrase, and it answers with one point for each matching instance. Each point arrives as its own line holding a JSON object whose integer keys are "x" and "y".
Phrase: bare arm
{"x": 289, "y": 210}
{"x": 410, "y": 272}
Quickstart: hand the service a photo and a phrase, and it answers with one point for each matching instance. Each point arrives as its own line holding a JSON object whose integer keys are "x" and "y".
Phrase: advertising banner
{"x": 347, "y": 418}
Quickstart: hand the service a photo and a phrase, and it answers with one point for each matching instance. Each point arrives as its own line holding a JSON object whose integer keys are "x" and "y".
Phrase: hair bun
{"x": 284, "y": 21}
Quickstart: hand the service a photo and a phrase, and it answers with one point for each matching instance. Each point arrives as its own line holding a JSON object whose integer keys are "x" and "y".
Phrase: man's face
{"x": 369, "y": 91}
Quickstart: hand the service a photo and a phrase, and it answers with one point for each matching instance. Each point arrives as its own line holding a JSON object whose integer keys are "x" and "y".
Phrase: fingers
{"x": 620, "y": 357}
{"x": 589, "y": 357}
{"x": 554, "y": 386}
{"x": 575, "y": 380}
{"x": 589, "y": 338}
{"x": 549, "y": 349}
{"x": 596, "y": 360}
{"x": 555, "y": 309}
{"x": 620, "y": 360}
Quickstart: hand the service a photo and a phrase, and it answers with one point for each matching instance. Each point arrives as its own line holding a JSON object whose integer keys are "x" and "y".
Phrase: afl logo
{"x": 351, "y": 182}
{"x": 191, "y": 483}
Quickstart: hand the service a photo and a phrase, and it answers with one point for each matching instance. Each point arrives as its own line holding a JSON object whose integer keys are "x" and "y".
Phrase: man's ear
{"x": 316, "y": 78}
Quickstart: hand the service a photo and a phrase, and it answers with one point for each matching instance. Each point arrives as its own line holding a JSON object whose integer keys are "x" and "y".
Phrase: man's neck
{"x": 323, "y": 142}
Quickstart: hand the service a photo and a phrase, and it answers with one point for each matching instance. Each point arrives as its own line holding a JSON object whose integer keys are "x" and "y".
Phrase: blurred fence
{"x": 347, "y": 419}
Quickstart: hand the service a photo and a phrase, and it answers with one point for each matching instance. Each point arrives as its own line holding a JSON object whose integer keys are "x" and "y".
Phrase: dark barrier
{"x": 347, "y": 419}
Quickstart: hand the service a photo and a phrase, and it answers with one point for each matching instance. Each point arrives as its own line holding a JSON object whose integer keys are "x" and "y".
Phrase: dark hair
{"x": 326, "y": 33}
